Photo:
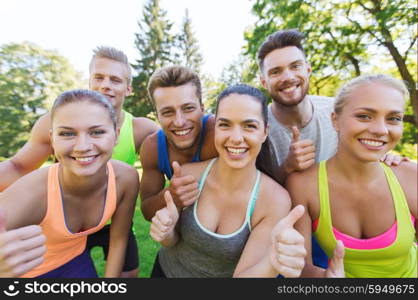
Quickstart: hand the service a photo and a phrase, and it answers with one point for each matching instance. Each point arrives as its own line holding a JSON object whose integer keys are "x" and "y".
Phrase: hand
{"x": 184, "y": 189}
{"x": 287, "y": 254}
{"x": 165, "y": 220}
{"x": 21, "y": 249}
{"x": 336, "y": 265}
{"x": 301, "y": 153}
{"x": 393, "y": 159}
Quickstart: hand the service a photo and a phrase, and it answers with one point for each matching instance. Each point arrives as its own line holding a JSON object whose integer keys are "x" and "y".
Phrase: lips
{"x": 182, "y": 132}
{"x": 84, "y": 160}
{"x": 372, "y": 143}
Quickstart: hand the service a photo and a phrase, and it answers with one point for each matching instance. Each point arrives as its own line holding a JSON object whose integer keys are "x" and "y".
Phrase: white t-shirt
{"x": 319, "y": 130}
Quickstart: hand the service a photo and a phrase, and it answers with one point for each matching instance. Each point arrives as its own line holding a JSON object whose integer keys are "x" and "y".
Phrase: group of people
{"x": 301, "y": 187}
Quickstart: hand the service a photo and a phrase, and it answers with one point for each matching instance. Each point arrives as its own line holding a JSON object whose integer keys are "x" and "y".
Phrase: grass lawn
{"x": 147, "y": 248}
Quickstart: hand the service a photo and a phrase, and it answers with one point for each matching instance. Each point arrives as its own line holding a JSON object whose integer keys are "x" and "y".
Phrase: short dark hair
{"x": 173, "y": 76}
{"x": 277, "y": 40}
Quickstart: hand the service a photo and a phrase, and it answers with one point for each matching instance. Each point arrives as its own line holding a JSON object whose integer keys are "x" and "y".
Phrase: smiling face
{"x": 239, "y": 130}
{"x": 83, "y": 137}
{"x": 110, "y": 78}
{"x": 286, "y": 75}
{"x": 180, "y": 114}
{"x": 370, "y": 122}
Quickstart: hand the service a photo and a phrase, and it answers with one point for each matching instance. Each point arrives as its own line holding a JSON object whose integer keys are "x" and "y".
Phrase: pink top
{"x": 381, "y": 241}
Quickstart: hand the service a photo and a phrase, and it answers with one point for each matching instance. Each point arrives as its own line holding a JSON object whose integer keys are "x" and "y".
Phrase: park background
{"x": 46, "y": 45}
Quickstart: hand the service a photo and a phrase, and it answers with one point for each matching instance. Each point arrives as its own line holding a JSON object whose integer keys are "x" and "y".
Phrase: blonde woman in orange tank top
{"x": 46, "y": 216}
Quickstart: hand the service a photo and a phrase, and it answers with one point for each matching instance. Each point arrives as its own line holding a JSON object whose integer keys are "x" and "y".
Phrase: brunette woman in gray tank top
{"x": 240, "y": 226}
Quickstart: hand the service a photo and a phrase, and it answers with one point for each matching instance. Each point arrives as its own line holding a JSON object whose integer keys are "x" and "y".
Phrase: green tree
{"x": 154, "y": 42}
{"x": 343, "y": 37}
{"x": 188, "y": 52}
{"x": 30, "y": 79}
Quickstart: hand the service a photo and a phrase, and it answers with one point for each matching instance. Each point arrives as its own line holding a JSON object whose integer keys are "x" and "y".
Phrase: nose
{"x": 286, "y": 75}
{"x": 179, "y": 121}
{"x": 236, "y": 136}
{"x": 378, "y": 127}
{"x": 104, "y": 84}
{"x": 82, "y": 143}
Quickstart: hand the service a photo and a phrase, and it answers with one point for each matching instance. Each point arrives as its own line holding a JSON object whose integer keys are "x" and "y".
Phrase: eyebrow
{"x": 171, "y": 107}
{"x": 292, "y": 63}
{"x": 71, "y": 128}
{"x": 245, "y": 121}
{"x": 374, "y": 110}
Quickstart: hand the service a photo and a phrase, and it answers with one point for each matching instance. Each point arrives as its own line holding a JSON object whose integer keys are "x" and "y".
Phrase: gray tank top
{"x": 203, "y": 253}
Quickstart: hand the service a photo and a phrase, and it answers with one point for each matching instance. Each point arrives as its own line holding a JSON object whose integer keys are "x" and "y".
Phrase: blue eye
{"x": 66, "y": 133}
{"x": 97, "y": 132}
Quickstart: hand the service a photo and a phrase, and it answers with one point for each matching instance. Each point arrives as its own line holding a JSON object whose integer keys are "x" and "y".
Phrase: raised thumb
{"x": 169, "y": 202}
{"x": 295, "y": 134}
{"x": 176, "y": 169}
{"x": 294, "y": 215}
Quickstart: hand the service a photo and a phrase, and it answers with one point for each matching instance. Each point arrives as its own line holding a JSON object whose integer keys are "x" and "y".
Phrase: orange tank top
{"x": 61, "y": 244}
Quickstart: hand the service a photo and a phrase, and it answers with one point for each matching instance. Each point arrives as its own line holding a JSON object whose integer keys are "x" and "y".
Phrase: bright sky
{"x": 76, "y": 27}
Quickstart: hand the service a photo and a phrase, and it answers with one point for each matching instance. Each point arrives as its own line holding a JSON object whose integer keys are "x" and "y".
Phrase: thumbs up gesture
{"x": 301, "y": 153}
{"x": 336, "y": 265}
{"x": 164, "y": 222}
{"x": 183, "y": 188}
{"x": 21, "y": 249}
{"x": 287, "y": 254}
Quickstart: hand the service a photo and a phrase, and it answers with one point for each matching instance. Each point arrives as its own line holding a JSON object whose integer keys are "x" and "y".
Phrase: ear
{"x": 202, "y": 107}
{"x": 308, "y": 68}
{"x": 334, "y": 120}
{"x": 128, "y": 91}
{"x": 263, "y": 81}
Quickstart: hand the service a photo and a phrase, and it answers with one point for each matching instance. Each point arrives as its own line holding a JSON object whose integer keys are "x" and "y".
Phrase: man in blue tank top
{"x": 187, "y": 135}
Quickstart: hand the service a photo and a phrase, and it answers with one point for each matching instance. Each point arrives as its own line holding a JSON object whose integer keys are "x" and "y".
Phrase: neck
{"x": 236, "y": 178}
{"x": 79, "y": 186}
{"x": 298, "y": 115}
{"x": 119, "y": 117}
{"x": 353, "y": 169}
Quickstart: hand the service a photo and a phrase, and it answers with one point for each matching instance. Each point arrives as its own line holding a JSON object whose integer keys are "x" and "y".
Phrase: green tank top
{"x": 396, "y": 261}
{"x": 125, "y": 149}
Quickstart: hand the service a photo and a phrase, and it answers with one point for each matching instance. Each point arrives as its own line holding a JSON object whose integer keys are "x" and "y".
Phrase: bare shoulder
{"x": 273, "y": 195}
{"x": 142, "y": 128}
{"x": 407, "y": 176}
{"x": 195, "y": 169}
{"x": 125, "y": 174}
{"x": 149, "y": 151}
{"x": 25, "y": 201}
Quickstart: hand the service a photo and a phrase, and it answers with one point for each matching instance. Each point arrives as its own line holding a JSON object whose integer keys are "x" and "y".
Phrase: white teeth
{"x": 289, "y": 89}
{"x": 372, "y": 143}
{"x": 84, "y": 159}
{"x": 182, "y": 132}
{"x": 236, "y": 151}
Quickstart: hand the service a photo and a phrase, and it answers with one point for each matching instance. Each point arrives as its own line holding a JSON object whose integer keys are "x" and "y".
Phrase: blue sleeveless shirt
{"x": 164, "y": 161}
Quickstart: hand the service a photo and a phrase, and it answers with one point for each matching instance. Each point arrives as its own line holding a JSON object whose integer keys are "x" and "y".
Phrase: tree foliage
{"x": 187, "y": 47}
{"x": 346, "y": 38}
{"x": 154, "y": 42}
{"x": 30, "y": 79}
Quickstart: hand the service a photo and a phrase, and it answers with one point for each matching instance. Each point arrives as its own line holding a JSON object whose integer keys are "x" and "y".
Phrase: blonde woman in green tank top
{"x": 353, "y": 197}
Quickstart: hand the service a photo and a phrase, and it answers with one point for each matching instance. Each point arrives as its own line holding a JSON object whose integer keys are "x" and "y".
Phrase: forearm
{"x": 115, "y": 259}
{"x": 311, "y": 271}
{"x": 262, "y": 269}
{"x": 150, "y": 205}
{"x": 10, "y": 172}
